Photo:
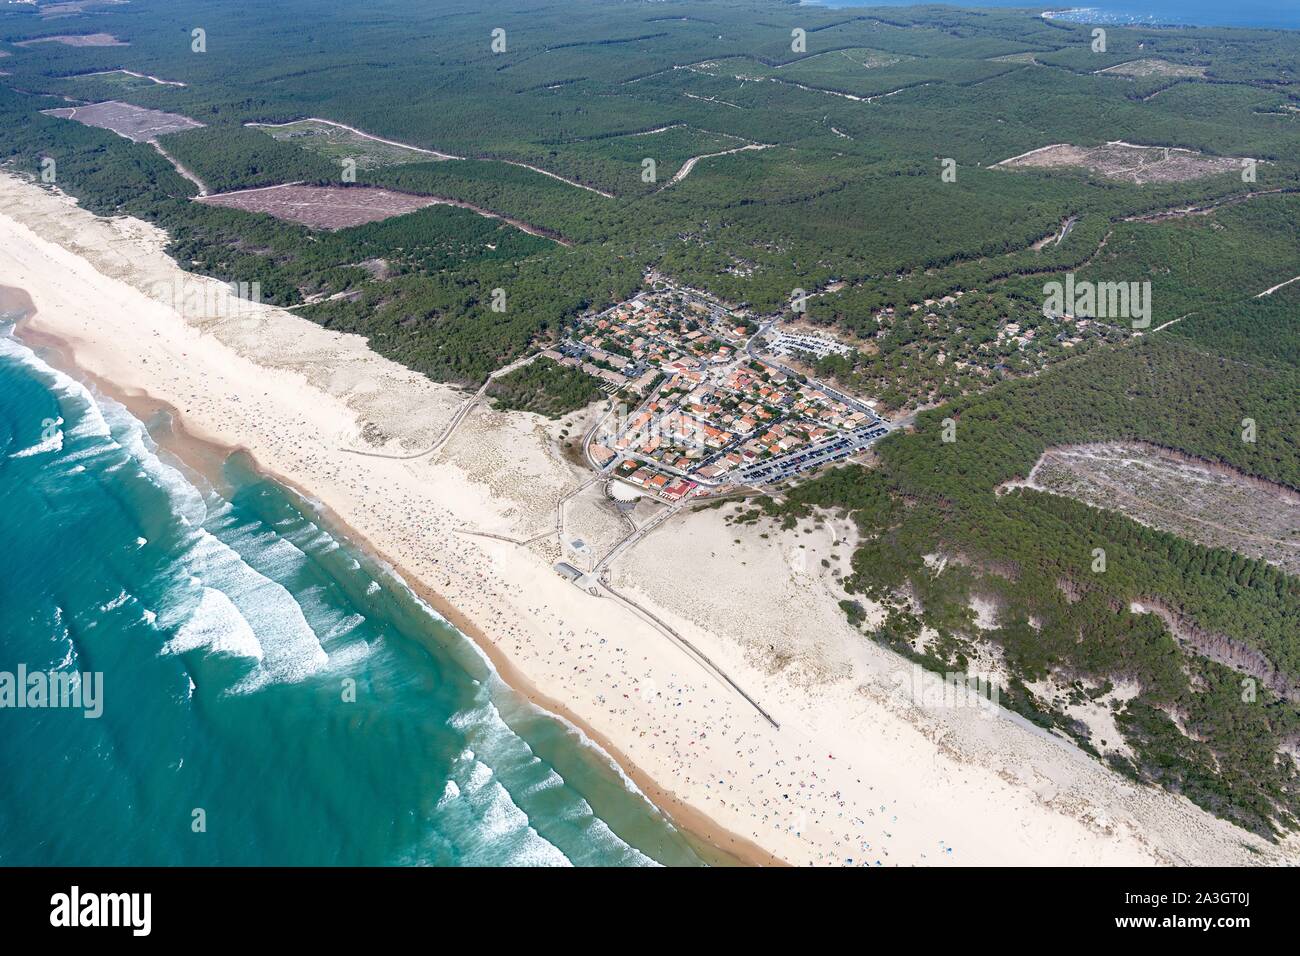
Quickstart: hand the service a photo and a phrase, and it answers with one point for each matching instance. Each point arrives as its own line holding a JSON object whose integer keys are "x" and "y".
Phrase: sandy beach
{"x": 859, "y": 771}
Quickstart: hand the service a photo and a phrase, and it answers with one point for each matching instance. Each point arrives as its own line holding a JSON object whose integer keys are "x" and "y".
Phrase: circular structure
{"x": 622, "y": 491}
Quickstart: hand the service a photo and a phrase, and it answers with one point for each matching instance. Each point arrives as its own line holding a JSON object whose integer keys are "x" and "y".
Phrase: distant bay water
{"x": 269, "y": 694}
{"x": 1273, "y": 14}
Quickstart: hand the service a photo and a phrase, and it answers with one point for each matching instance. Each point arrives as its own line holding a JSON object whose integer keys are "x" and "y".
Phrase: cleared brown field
{"x": 77, "y": 39}
{"x": 1153, "y": 67}
{"x": 133, "y": 122}
{"x": 1209, "y": 504}
{"x": 69, "y": 8}
{"x": 323, "y": 207}
{"x": 1026, "y": 57}
{"x": 1127, "y": 162}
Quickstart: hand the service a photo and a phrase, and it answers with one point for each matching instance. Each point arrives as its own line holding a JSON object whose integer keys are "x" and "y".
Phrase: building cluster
{"x": 713, "y": 408}
{"x": 658, "y": 329}
{"x": 610, "y": 369}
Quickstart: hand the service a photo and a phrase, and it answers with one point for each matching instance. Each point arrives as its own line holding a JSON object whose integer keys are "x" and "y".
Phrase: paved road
{"x": 690, "y": 649}
{"x": 461, "y": 413}
{"x": 636, "y": 535}
{"x": 588, "y": 438}
{"x": 751, "y": 349}
{"x": 776, "y": 469}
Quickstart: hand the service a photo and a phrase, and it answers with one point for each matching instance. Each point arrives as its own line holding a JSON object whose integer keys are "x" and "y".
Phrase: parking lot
{"x": 831, "y": 450}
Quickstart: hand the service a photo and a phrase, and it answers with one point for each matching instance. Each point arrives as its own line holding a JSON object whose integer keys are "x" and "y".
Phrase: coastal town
{"x": 705, "y": 406}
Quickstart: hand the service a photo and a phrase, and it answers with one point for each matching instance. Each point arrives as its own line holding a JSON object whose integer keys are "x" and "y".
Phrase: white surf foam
{"x": 69, "y": 656}
{"x": 291, "y": 651}
{"x": 52, "y": 443}
{"x": 449, "y": 793}
{"x": 116, "y": 603}
{"x": 92, "y": 422}
{"x": 217, "y": 625}
{"x": 501, "y": 823}
{"x": 133, "y": 437}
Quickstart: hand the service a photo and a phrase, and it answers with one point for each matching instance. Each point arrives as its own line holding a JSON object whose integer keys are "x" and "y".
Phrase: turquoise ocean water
{"x": 226, "y": 621}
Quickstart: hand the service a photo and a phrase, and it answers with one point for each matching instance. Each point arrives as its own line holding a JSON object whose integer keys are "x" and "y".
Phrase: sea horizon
{"x": 1257, "y": 14}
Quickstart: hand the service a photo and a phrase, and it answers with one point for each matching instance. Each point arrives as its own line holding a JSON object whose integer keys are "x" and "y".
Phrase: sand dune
{"x": 858, "y": 771}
